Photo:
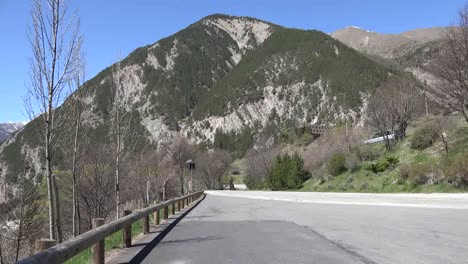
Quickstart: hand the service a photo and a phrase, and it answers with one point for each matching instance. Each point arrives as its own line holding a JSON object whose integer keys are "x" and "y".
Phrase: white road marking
{"x": 436, "y": 201}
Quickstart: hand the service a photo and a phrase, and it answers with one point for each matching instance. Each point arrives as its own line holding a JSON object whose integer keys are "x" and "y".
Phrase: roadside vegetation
{"x": 433, "y": 157}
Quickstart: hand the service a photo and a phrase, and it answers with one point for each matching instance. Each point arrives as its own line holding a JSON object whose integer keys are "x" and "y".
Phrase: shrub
{"x": 456, "y": 169}
{"x": 336, "y": 164}
{"x": 392, "y": 161}
{"x": 368, "y": 152}
{"x": 415, "y": 173}
{"x": 288, "y": 173}
{"x": 424, "y": 137}
{"x": 352, "y": 162}
{"x": 379, "y": 166}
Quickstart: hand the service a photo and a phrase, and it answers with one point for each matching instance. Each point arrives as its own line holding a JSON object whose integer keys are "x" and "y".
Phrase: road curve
{"x": 319, "y": 228}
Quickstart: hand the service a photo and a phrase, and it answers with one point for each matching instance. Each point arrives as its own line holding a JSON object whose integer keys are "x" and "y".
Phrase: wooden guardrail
{"x": 48, "y": 253}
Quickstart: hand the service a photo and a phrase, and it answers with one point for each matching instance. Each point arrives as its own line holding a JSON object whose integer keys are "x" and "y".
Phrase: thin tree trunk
{"x": 20, "y": 230}
{"x": 49, "y": 183}
{"x": 74, "y": 194}
{"x": 117, "y": 169}
{"x": 1, "y": 254}
{"x": 57, "y": 210}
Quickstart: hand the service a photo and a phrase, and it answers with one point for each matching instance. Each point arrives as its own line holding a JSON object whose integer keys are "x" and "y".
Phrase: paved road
{"x": 226, "y": 229}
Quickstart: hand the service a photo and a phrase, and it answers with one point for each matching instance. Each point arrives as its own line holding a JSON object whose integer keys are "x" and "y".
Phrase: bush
{"x": 336, "y": 164}
{"x": 424, "y": 137}
{"x": 415, "y": 173}
{"x": 368, "y": 152}
{"x": 392, "y": 161}
{"x": 383, "y": 164}
{"x": 287, "y": 173}
{"x": 456, "y": 169}
{"x": 352, "y": 162}
{"x": 379, "y": 166}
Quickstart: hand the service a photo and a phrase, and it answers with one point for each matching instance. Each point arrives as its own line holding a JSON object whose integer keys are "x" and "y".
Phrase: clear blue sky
{"x": 123, "y": 25}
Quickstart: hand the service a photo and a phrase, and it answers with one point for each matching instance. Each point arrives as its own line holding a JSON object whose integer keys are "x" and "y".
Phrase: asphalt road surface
{"x": 319, "y": 228}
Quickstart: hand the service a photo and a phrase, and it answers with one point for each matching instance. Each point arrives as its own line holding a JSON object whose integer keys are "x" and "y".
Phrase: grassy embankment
{"x": 362, "y": 179}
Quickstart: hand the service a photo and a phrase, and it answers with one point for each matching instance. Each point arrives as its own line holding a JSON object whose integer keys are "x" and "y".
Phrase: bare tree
{"x": 394, "y": 107}
{"x": 56, "y": 44}
{"x": 76, "y": 142}
{"x": 452, "y": 67}
{"x": 211, "y": 167}
{"x": 260, "y": 160}
{"x": 20, "y": 222}
{"x": 96, "y": 183}
{"x": 122, "y": 138}
{"x": 179, "y": 151}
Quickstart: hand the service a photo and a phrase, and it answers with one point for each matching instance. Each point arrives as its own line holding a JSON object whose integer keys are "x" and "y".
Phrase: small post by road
{"x": 166, "y": 212}
{"x": 178, "y": 205}
{"x": 173, "y": 208}
{"x": 146, "y": 227}
{"x": 127, "y": 232}
{"x": 156, "y": 217}
{"x": 98, "y": 248}
{"x": 43, "y": 244}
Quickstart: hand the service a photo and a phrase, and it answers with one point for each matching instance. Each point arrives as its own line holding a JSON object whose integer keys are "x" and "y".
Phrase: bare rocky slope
{"x": 222, "y": 82}
{"x": 7, "y": 129}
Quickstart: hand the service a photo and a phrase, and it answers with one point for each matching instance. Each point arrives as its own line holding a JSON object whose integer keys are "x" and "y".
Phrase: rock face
{"x": 7, "y": 129}
{"x": 221, "y": 80}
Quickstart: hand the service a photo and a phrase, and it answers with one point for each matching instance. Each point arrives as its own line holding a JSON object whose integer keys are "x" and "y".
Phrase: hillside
{"x": 390, "y": 46}
{"x": 7, "y": 129}
{"x": 223, "y": 81}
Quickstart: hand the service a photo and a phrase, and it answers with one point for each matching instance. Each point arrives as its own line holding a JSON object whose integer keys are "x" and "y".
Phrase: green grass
{"x": 113, "y": 241}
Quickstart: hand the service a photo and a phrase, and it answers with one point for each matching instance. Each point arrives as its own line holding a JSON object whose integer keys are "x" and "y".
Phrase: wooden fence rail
{"x": 95, "y": 238}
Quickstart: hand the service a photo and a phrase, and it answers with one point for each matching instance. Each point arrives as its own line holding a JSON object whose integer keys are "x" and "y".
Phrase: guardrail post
{"x": 166, "y": 212}
{"x": 173, "y": 208}
{"x": 127, "y": 232}
{"x": 178, "y": 205}
{"x": 146, "y": 227}
{"x": 43, "y": 244}
{"x": 98, "y": 248}
{"x": 156, "y": 217}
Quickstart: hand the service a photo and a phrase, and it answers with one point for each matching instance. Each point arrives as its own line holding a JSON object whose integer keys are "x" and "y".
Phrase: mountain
{"x": 223, "y": 81}
{"x": 388, "y": 45}
{"x": 412, "y": 51}
{"x": 7, "y": 129}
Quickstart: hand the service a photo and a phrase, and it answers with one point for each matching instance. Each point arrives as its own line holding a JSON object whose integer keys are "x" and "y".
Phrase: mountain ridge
{"x": 223, "y": 81}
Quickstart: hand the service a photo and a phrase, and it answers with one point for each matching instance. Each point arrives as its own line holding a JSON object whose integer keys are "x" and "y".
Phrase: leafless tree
{"x": 96, "y": 183}
{"x": 122, "y": 138}
{"x": 167, "y": 172}
{"x": 20, "y": 222}
{"x": 179, "y": 151}
{"x": 260, "y": 160}
{"x": 393, "y": 107}
{"x": 442, "y": 126}
{"x": 211, "y": 167}
{"x": 452, "y": 67}
{"x": 76, "y": 143}
{"x": 56, "y": 44}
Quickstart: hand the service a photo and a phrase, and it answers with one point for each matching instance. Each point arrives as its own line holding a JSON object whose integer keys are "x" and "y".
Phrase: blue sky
{"x": 110, "y": 27}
